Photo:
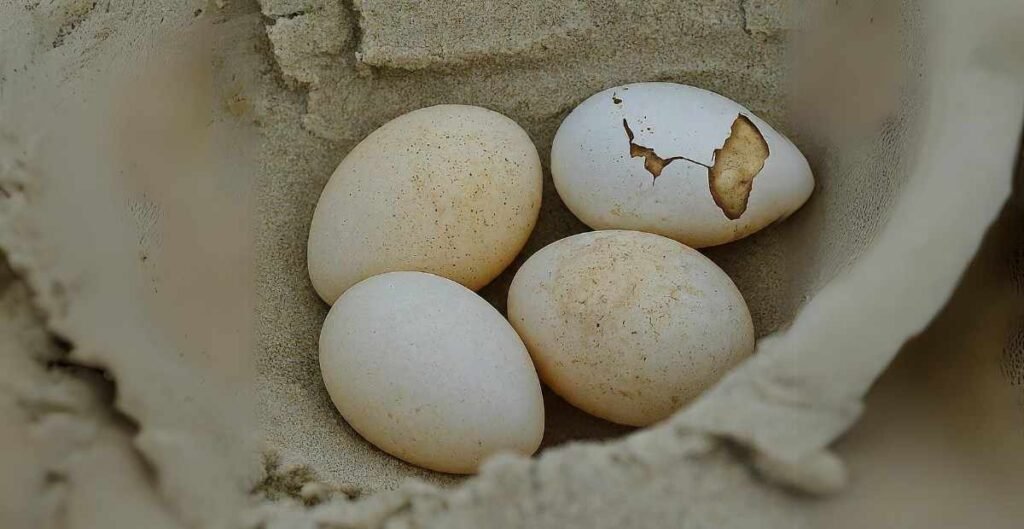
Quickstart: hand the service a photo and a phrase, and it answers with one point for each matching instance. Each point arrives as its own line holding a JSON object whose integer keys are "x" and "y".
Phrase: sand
{"x": 159, "y": 166}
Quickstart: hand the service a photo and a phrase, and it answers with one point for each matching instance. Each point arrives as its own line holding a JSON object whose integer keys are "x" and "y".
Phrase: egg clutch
{"x": 628, "y": 323}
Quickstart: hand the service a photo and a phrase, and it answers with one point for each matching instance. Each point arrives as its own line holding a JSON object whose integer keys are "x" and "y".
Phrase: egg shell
{"x": 628, "y": 326}
{"x": 429, "y": 372}
{"x": 605, "y": 177}
{"x": 453, "y": 190}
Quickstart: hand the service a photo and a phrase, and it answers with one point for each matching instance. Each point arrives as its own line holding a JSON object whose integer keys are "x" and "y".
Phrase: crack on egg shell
{"x": 734, "y": 165}
{"x": 652, "y": 162}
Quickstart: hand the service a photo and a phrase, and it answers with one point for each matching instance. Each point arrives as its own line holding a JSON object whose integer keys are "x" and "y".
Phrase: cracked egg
{"x": 678, "y": 161}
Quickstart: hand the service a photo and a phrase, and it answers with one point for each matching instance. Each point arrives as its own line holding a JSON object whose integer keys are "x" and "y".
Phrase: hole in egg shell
{"x": 735, "y": 164}
{"x": 652, "y": 162}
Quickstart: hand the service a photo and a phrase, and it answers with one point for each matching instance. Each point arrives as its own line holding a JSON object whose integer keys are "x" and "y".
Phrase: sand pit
{"x": 158, "y": 171}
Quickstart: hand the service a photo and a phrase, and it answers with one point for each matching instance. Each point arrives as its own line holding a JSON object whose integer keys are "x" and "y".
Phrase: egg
{"x": 429, "y": 372}
{"x": 628, "y": 326}
{"x": 678, "y": 161}
{"x": 452, "y": 190}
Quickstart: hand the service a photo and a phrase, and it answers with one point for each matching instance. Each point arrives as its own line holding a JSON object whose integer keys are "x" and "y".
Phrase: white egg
{"x": 429, "y": 372}
{"x": 453, "y": 190}
{"x": 678, "y": 161}
{"x": 628, "y": 326}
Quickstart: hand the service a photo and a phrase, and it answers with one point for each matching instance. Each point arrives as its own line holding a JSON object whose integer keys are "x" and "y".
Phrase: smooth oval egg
{"x": 678, "y": 161}
{"x": 453, "y": 190}
{"x": 628, "y": 326}
{"x": 429, "y": 372}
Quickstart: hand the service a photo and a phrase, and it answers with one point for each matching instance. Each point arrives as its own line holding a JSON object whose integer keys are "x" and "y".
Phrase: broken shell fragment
{"x": 678, "y": 161}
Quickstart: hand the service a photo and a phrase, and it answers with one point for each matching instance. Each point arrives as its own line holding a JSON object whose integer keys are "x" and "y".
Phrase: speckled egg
{"x": 628, "y": 326}
{"x": 429, "y": 372}
{"x": 678, "y": 161}
{"x": 453, "y": 190}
